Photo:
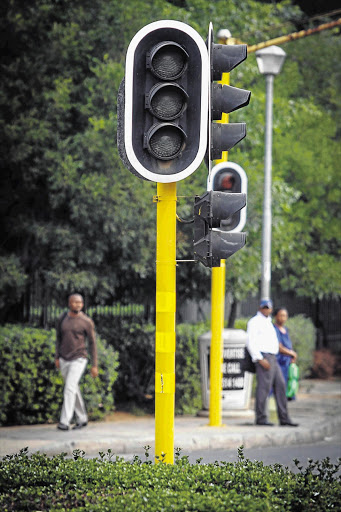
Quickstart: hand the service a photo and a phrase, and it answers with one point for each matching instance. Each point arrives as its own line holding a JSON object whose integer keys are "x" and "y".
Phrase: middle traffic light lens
{"x": 167, "y": 101}
{"x": 168, "y": 60}
{"x": 165, "y": 141}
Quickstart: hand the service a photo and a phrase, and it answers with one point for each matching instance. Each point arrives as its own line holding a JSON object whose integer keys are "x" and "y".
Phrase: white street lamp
{"x": 270, "y": 61}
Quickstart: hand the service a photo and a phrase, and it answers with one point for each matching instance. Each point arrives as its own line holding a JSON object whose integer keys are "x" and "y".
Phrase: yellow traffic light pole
{"x": 216, "y": 352}
{"x": 165, "y": 322}
{"x": 217, "y": 320}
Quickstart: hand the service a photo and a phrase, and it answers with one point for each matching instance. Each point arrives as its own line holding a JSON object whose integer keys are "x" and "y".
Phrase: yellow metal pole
{"x": 217, "y": 319}
{"x": 216, "y": 352}
{"x": 292, "y": 37}
{"x": 165, "y": 322}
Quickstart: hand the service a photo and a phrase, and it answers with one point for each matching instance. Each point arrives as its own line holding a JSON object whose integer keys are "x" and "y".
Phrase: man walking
{"x": 71, "y": 357}
{"x": 263, "y": 346}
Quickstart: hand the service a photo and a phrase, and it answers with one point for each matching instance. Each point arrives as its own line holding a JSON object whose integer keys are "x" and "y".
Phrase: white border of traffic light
{"x": 243, "y": 178}
{"x": 128, "y": 115}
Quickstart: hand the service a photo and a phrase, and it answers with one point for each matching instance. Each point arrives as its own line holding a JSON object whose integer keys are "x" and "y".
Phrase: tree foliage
{"x": 74, "y": 218}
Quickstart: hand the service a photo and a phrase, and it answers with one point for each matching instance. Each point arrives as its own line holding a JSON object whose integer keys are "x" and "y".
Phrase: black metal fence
{"x": 41, "y": 308}
{"x": 46, "y": 315}
{"x": 325, "y": 314}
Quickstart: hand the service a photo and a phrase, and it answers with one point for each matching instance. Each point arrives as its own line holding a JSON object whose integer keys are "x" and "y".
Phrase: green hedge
{"x": 110, "y": 484}
{"x": 32, "y": 388}
{"x": 188, "y": 398}
{"x": 135, "y": 344}
{"x": 303, "y": 337}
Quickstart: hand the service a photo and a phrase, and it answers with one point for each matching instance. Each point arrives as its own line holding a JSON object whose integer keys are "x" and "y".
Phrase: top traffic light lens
{"x": 168, "y": 60}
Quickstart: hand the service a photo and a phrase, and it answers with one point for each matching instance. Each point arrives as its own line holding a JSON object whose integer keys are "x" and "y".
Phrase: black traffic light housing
{"x": 211, "y": 244}
{"x": 163, "y": 102}
{"x": 229, "y": 177}
{"x": 224, "y": 98}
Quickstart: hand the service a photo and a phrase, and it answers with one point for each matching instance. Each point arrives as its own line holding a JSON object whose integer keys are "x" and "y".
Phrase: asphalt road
{"x": 330, "y": 447}
{"x": 284, "y": 455}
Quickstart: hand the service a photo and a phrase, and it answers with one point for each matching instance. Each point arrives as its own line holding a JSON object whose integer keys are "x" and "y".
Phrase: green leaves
{"x": 41, "y": 483}
{"x": 74, "y": 217}
{"x": 135, "y": 345}
{"x": 32, "y": 388}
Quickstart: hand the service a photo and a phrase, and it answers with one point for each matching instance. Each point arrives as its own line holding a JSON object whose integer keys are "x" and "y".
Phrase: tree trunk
{"x": 233, "y": 314}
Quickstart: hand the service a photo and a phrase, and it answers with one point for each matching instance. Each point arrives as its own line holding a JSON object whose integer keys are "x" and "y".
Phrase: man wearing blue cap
{"x": 263, "y": 346}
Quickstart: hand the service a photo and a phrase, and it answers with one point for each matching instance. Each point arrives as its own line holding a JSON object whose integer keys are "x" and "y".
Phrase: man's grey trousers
{"x": 267, "y": 380}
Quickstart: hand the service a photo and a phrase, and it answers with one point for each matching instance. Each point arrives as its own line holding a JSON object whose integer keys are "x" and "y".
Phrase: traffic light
{"x": 212, "y": 244}
{"x": 224, "y": 98}
{"x": 162, "y": 106}
{"x": 230, "y": 178}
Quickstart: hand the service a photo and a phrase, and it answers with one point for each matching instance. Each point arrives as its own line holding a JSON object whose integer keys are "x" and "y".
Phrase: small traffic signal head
{"x": 211, "y": 244}
{"x": 231, "y": 179}
{"x": 163, "y": 102}
{"x": 224, "y": 58}
{"x": 223, "y": 98}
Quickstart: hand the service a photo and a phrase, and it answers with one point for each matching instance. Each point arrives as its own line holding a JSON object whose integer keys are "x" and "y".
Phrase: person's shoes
{"x": 265, "y": 423}
{"x": 288, "y": 424}
{"x": 61, "y": 426}
{"x": 80, "y": 425}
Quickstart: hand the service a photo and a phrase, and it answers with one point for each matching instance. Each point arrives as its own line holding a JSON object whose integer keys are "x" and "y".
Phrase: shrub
{"x": 325, "y": 364}
{"x": 241, "y": 323}
{"x": 108, "y": 483}
{"x": 32, "y": 388}
{"x": 188, "y": 398}
{"x": 303, "y": 337}
{"x": 135, "y": 344}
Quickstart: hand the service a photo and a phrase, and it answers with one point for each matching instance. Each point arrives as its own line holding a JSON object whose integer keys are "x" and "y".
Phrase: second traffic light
{"x": 211, "y": 243}
{"x": 231, "y": 178}
{"x": 223, "y": 98}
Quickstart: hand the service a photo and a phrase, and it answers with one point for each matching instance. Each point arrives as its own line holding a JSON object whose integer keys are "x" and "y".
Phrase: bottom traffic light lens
{"x": 165, "y": 141}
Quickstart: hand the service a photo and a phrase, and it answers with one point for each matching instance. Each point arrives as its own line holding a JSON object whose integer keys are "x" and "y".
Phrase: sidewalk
{"x": 317, "y": 410}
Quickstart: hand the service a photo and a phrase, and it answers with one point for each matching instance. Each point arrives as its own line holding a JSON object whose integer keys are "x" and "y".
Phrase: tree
{"x": 74, "y": 218}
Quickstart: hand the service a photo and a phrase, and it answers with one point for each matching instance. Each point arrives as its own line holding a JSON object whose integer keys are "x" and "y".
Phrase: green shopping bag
{"x": 293, "y": 376}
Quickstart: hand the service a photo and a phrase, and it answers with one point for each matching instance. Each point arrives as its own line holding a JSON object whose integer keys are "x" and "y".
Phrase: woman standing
{"x": 286, "y": 354}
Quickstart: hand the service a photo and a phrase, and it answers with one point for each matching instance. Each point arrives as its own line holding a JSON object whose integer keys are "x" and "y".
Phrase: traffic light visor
{"x": 226, "y": 57}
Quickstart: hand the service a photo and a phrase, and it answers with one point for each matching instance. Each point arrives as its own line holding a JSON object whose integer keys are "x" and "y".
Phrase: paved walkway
{"x": 317, "y": 410}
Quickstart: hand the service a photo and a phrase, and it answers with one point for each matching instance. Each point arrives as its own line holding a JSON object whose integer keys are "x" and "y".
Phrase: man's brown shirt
{"x": 71, "y": 338}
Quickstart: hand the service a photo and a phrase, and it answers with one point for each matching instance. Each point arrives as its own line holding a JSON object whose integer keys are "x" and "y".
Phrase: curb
{"x": 207, "y": 440}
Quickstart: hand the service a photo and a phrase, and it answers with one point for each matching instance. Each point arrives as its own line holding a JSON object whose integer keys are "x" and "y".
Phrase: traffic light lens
{"x": 226, "y": 182}
{"x": 165, "y": 141}
{"x": 168, "y": 60}
{"x": 167, "y": 101}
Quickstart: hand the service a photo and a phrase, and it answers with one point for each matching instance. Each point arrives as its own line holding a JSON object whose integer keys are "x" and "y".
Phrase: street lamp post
{"x": 270, "y": 61}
